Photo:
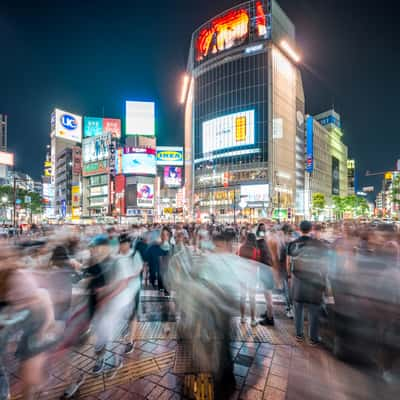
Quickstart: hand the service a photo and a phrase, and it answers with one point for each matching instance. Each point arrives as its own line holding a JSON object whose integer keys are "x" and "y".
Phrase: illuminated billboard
{"x": 112, "y": 127}
{"x": 233, "y": 28}
{"x": 224, "y": 32}
{"x": 68, "y": 126}
{"x": 93, "y": 127}
{"x": 96, "y": 148}
{"x": 136, "y": 161}
{"x": 140, "y": 118}
{"x": 145, "y": 195}
{"x": 173, "y": 176}
{"x": 170, "y": 156}
{"x": 254, "y": 193}
{"x": 6, "y": 158}
{"x": 229, "y": 131}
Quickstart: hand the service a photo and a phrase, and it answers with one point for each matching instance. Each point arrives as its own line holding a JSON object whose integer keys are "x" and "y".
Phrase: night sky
{"x": 86, "y": 56}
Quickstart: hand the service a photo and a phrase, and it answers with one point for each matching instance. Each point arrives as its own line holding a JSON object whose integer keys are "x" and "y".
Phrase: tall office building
{"x": 244, "y": 116}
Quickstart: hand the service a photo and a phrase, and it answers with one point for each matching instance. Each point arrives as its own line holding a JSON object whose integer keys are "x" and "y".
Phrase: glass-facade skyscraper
{"x": 244, "y": 116}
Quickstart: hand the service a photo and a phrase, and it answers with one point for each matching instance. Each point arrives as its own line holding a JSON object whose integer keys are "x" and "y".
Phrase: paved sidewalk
{"x": 269, "y": 364}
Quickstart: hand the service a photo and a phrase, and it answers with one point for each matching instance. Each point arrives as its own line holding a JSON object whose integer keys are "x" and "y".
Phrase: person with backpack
{"x": 250, "y": 251}
{"x": 309, "y": 267}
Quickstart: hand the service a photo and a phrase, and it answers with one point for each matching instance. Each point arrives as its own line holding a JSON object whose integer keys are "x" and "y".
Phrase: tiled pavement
{"x": 264, "y": 369}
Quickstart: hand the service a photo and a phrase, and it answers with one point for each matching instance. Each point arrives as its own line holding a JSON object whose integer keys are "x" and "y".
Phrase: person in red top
{"x": 250, "y": 251}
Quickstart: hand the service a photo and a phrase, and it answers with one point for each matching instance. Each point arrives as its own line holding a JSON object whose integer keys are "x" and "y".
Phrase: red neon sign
{"x": 261, "y": 19}
{"x": 223, "y": 33}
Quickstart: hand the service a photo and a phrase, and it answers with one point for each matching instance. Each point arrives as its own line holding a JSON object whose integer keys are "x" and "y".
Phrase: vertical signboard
{"x": 76, "y": 160}
{"x": 120, "y": 182}
{"x": 112, "y": 127}
{"x": 310, "y": 145}
{"x": 335, "y": 177}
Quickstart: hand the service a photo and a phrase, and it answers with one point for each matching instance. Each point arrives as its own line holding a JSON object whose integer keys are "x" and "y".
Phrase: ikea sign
{"x": 172, "y": 156}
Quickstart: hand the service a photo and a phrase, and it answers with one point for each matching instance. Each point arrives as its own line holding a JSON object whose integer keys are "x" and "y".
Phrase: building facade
{"x": 326, "y": 160}
{"x": 244, "y": 116}
{"x": 351, "y": 177}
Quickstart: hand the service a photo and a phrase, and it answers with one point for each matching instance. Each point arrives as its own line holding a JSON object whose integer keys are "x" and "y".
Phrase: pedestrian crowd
{"x": 62, "y": 285}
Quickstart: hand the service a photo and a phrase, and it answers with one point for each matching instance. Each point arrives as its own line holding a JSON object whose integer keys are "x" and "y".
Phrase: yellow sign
{"x": 388, "y": 176}
{"x": 240, "y": 125}
{"x": 76, "y": 196}
{"x": 168, "y": 210}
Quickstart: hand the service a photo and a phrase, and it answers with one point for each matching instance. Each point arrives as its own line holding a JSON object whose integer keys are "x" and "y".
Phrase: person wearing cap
{"x": 308, "y": 275}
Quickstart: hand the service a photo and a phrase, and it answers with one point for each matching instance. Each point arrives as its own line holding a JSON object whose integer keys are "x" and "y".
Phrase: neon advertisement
{"x": 224, "y": 32}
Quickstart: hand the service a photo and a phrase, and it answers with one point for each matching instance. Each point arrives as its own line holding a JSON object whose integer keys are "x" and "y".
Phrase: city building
{"x": 331, "y": 121}
{"x": 3, "y": 132}
{"x": 169, "y": 204}
{"x": 326, "y": 160}
{"x": 351, "y": 177}
{"x": 135, "y": 169}
{"x": 244, "y": 117}
{"x": 65, "y": 157}
{"x": 101, "y": 137}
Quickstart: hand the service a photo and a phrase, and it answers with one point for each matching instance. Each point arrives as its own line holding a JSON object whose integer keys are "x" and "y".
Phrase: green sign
{"x": 280, "y": 213}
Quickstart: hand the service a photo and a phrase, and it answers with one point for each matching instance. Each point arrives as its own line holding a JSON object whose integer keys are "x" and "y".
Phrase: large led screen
{"x": 139, "y": 161}
{"x": 68, "y": 126}
{"x": 173, "y": 176}
{"x": 140, "y": 118}
{"x": 95, "y": 148}
{"x": 233, "y": 28}
{"x": 229, "y": 131}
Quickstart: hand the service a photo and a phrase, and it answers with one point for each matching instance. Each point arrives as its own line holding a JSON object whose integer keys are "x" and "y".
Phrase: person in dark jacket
{"x": 153, "y": 256}
{"x": 309, "y": 273}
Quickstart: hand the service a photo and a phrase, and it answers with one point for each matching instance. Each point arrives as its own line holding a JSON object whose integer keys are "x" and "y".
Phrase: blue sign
{"x": 330, "y": 120}
{"x": 18, "y": 201}
{"x": 69, "y": 122}
{"x": 310, "y": 144}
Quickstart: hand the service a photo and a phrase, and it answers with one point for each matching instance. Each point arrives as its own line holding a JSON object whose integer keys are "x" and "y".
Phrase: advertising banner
{"x": 112, "y": 127}
{"x": 76, "y": 196}
{"x": 138, "y": 161}
{"x": 254, "y": 193}
{"x": 145, "y": 195}
{"x": 230, "y": 131}
{"x": 68, "y": 126}
{"x": 140, "y": 118}
{"x": 95, "y": 168}
{"x": 310, "y": 145}
{"x": 76, "y": 160}
{"x": 92, "y": 127}
{"x": 96, "y": 148}
{"x": 173, "y": 176}
{"x": 170, "y": 156}
{"x": 47, "y": 168}
{"x": 335, "y": 177}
